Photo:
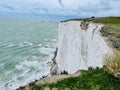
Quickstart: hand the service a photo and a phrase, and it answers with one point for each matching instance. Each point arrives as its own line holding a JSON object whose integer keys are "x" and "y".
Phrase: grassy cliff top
{"x": 106, "y": 20}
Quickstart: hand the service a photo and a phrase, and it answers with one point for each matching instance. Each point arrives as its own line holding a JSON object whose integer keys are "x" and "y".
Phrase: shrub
{"x": 116, "y": 44}
{"x": 112, "y": 64}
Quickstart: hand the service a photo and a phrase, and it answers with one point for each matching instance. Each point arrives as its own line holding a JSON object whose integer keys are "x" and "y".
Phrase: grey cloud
{"x": 69, "y": 7}
{"x": 60, "y": 2}
{"x": 7, "y": 7}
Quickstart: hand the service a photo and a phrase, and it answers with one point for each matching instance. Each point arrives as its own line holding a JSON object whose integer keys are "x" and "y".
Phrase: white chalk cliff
{"x": 80, "y": 45}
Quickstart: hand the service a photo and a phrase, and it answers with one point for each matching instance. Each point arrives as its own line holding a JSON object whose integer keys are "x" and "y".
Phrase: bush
{"x": 116, "y": 44}
{"x": 113, "y": 64}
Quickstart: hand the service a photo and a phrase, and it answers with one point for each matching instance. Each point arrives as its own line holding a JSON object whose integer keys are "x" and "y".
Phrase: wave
{"x": 28, "y": 72}
{"x": 30, "y": 68}
{"x": 8, "y": 45}
{"x": 23, "y": 44}
{"x": 46, "y": 51}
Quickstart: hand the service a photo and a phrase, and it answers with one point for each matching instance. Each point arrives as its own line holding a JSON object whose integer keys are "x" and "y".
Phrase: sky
{"x": 59, "y": 8}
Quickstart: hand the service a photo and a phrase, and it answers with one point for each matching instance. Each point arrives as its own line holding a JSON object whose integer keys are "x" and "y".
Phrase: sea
{"x": 26, "y": 45}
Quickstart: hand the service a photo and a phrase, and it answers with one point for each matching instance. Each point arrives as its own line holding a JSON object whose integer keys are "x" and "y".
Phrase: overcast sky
{"x": 63, "y": 8}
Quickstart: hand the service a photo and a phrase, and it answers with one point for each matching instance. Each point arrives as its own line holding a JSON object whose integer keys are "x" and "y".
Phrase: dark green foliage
{"x": 97, "y": 79}
{"x": 116, "y": 44}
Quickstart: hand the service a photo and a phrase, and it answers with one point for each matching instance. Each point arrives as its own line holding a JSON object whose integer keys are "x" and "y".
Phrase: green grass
{"x": 97, "y": 79}
{"x": 106, "y": 20}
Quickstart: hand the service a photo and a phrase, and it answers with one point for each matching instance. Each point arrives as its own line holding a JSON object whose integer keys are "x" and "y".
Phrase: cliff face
{"x": 80, "y": 45}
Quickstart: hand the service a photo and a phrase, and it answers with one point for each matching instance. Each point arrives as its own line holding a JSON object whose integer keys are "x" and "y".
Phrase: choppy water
{"x": 25, "y": 45}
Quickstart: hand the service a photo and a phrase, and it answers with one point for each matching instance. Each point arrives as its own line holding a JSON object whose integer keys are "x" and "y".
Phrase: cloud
{"x": 78, "y": 8}
{"x": 7, "y": 7}
{"x": 60, "y": 2}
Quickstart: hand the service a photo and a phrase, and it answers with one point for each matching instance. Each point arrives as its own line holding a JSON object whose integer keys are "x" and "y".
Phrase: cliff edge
{"x": 80, "y": 46}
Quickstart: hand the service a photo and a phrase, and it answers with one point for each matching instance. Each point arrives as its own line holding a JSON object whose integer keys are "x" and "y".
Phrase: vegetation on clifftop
{"x": 105, "y": 20}
{"x": 97, "y": 79}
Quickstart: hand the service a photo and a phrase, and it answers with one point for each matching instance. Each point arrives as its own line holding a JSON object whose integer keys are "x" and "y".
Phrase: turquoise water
{"x": 25, "y": 45}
